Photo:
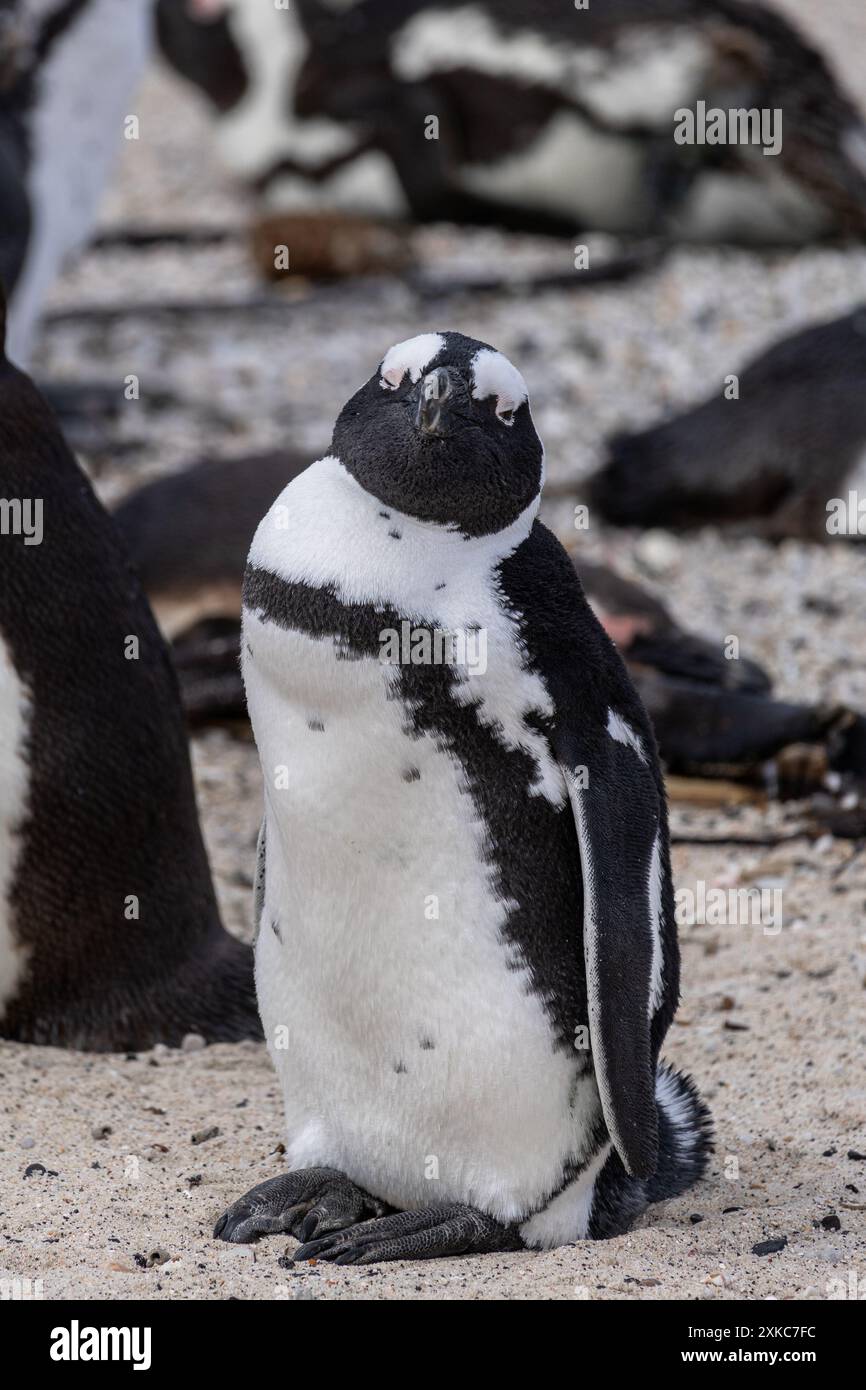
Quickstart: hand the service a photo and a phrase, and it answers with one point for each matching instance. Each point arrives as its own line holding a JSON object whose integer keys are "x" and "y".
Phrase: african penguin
{"x": 772, "y": 461}
{"x": 110, "y": 936}
{"x": 539, "y": 116}
{"x": 68, "y": 71}
{"x": 466, "y": 958}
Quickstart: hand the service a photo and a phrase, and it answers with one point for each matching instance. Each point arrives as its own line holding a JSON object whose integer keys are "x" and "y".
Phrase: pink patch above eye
{"x": 206, "y": 9}
{"x": 390, "y": 380}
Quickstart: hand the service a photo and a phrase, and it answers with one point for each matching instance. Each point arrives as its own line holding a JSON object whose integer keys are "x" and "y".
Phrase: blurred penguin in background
{"x": 538, "y": 116}
{"x": 782, "y": 464}
{"x": 68, "y": 73}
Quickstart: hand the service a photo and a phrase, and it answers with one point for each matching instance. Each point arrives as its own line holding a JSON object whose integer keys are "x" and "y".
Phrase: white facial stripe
{"x": 494, "y": 375}
{"x": 411, "y": 356}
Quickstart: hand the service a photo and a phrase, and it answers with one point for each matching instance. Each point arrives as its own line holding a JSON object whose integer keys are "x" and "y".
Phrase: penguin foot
{"x": 429, "y": 1234}
{"x": 305, "y": 1204}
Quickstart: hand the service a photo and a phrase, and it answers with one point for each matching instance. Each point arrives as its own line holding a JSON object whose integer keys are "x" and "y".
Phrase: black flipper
{"x": 617, "y": 812}
{"x": 603, "y": 741}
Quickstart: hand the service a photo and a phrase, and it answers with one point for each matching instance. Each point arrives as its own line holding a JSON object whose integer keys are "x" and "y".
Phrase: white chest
{"x": 411, "y": 1047}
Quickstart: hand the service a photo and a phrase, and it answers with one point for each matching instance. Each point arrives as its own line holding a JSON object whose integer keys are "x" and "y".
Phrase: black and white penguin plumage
{"x": 188, "y": 535}
{"x": 549, "y": 117}
{"x": 466, "y": 955}
{"x": 770, "y": 461}
{"x": 110, "y": 936}
{"x": 68, "y": 72}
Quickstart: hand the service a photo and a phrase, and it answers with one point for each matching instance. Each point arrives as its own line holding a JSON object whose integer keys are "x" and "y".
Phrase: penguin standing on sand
{"x": 466, "y": 955}
{"x": 110, "y": 936}
{"x": 68, "y": 72}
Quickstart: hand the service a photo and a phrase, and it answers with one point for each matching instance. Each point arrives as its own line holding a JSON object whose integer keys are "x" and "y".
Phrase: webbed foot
{"x": 304, "y": 1203}
{"x": 428, "y": 1234}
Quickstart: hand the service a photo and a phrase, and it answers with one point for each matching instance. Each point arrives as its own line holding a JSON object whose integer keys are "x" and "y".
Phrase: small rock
{"x": 695, "y": 1218}
{"x": 100, "y": 1131}
{"x": 193, "y": 1042}
{"x": 157, "y": 1257}
{"x": 830, "y": 1222}
{"x": 201, "y": 1136}
{"x": 858, "y": 1157}
{"x": 658, "y": 551}
{"x": 151, "y": 1152}
{"x": 770, "y": 1247}
{"x": 28, "y": 1143}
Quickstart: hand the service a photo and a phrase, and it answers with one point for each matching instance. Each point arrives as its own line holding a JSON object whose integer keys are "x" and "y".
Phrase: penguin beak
{"x": 435, "y": 391}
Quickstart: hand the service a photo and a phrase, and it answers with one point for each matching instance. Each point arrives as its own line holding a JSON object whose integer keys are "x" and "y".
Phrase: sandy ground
{"x": 771, "y": 1023}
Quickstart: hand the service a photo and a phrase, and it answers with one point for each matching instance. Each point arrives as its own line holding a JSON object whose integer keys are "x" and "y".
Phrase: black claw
{"x": 310, "y": 1249}
{"x": 304, "y": 1202}
{"x": 308, "y": 1227}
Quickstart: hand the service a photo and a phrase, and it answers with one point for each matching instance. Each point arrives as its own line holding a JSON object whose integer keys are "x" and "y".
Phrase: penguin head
{"x": 443, "y": 433}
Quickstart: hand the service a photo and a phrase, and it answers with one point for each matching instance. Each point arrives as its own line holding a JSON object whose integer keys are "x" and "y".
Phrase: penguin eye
{"x": 506, "y": 413}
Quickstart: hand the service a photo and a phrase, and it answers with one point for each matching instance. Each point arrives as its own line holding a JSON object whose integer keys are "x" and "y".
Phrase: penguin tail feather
{"x": 685, "y": 1135}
